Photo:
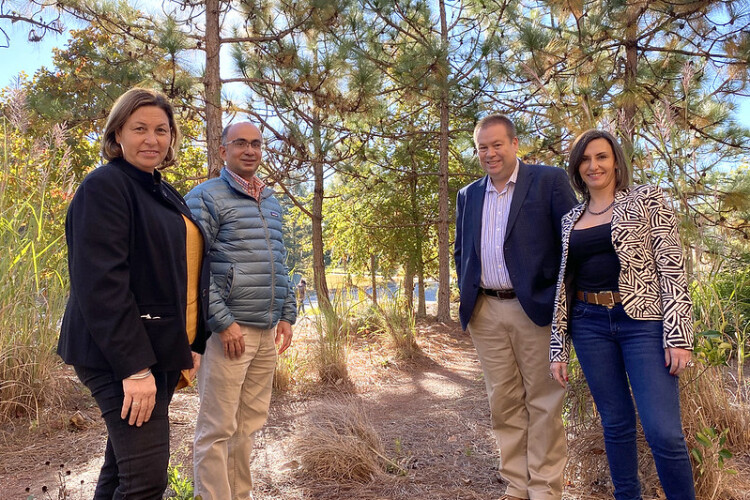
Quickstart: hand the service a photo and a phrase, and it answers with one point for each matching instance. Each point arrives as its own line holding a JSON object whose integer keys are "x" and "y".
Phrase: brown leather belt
{"x": 500, "y": 294}
{"x": 608, "y": 299}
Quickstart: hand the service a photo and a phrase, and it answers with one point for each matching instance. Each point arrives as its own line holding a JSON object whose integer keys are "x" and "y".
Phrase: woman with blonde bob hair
{"x": 138, "y": 293}
{"x": 124, "y": 108}
{"x": 623, "y": 300}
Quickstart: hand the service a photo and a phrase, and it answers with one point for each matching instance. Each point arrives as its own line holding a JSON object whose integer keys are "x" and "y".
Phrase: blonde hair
{"x": 125, "y": 106}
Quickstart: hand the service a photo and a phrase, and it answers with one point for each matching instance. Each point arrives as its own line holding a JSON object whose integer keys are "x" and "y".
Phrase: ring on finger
{"x": 136, "y": 404}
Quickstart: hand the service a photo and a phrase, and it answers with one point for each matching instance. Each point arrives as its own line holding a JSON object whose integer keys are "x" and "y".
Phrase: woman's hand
{"x": 196, "y": 364}
{"x": 559, "y": 372}
{"x": 139, "y": 400}
{"x": 677, "y": 359}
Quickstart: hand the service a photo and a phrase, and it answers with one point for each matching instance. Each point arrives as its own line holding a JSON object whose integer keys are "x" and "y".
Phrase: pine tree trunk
{"x": 212, "y": 87}
{"x": 319, "y": 266}
{"x": 415, "y": 261}
{"x": 444, "y": 276}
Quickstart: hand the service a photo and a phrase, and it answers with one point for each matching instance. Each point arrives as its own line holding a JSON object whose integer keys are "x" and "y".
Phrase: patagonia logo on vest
{"x": 275, "y": 214}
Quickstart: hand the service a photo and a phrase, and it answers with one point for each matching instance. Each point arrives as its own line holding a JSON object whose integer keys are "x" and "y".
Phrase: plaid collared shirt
{"x": 254, "y": 187}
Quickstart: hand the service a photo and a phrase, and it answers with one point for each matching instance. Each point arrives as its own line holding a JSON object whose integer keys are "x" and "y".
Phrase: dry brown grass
{"x": 710, "y": 398}
{"x": 588, "y": 468}
{"x": 26, "y": 382}
{"x": 398, "y": 322}
{"x": 288, "y": 371}
{"x": 330, "y": 354}
{"x": 710, "y": 401}
{"x": 337, "y": 442}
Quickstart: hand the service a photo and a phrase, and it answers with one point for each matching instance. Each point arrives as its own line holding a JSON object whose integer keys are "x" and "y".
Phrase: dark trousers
{"x": 616, "y": 353}
{"x": 136, "y": 458}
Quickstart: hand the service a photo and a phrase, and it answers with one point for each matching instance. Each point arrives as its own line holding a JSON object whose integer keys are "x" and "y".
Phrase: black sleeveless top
{"x": 592, "y": 259}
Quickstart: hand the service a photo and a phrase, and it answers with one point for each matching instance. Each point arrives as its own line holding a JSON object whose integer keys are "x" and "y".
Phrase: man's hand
{"x": 234, "y": 343}
{"x": 283, "y": 335}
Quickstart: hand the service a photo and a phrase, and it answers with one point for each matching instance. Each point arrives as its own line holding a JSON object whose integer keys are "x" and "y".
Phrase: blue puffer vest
{"x": 249, "y": 278}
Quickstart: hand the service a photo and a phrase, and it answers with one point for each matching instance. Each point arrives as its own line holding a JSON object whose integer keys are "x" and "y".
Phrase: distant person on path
{"x": 301, "y": 292}
{"x": 507, "y": 255}
{"x": 630, "y": 319}
{"x": 137, "y": 290}
{"x": 252, "y": 308}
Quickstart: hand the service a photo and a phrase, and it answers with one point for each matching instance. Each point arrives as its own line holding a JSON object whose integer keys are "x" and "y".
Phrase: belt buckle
{"x": 610, "y": 303}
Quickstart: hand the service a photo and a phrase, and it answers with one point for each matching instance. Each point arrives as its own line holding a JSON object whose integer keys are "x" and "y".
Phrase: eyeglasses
{"x": 244, "y": 143}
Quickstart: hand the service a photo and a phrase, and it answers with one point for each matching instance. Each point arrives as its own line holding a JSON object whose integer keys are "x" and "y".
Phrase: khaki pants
{"x": 235, "y": 396}
{"x": 526, "y": 404}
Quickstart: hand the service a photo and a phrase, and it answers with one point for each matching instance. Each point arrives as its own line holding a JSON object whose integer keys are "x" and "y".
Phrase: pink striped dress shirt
{"x": 494, "y": 222}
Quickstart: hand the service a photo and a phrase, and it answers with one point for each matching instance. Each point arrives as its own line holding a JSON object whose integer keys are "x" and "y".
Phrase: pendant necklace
{"x": 603, "y": 211}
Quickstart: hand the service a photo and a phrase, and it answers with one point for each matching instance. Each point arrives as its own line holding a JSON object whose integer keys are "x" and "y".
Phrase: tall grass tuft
{"x": 339, "y": 443}
{"x": 722, "y": 306}
{"x": 716, "y": 421}
{"x": 331, "y": 353}
{"x": 398, "y": 322}
{"x": 35, "y": 187}
{"x": 288, "y": 368}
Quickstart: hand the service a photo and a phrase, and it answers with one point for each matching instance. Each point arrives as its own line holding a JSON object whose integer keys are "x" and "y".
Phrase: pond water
{"x": 392, "y": 289}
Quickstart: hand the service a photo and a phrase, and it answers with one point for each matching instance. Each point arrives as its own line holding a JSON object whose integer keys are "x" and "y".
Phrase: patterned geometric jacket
{"x": 652, "y": 280}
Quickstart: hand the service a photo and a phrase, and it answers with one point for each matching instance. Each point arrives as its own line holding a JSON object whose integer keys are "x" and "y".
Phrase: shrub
{"x": 179, "y": 486}
{"x": 722, "y": 309}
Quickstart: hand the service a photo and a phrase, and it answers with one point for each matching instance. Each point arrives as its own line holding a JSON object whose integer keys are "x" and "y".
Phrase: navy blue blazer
{"x": 532, "y": 247}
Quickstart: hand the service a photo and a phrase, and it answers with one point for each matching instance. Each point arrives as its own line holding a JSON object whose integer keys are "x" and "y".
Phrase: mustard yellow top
{"x": 194, "y": 247}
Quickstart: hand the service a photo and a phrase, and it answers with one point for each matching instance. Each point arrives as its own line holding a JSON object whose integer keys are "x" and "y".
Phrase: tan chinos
{"x": 525, "y": 403}
{"x": 235, "y": 396}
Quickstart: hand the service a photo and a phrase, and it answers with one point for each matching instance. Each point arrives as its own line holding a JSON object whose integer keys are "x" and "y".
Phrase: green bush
{"x": 722, "y": 311}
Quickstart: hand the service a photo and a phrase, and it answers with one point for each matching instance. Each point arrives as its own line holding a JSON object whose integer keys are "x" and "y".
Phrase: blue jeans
{"x": 136, "y": 458}
{"x": 612, "y": 349}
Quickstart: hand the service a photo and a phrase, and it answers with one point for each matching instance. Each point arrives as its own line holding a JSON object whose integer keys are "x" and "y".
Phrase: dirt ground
{"x": 431, "y": 415}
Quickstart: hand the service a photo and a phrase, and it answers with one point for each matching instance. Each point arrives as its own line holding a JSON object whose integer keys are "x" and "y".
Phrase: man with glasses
{"x": 251, "y": 309}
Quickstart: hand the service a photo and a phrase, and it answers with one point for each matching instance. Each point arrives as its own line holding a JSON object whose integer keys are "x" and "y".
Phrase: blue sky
{"x": 23, "y": 55}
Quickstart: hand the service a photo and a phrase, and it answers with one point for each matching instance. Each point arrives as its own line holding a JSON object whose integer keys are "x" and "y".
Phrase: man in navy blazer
{"x": 507, "y": 255}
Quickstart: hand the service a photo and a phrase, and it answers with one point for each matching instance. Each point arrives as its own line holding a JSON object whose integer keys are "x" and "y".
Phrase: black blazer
{"x": 128, "y": 274}
{"x": 541, "y": 197}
